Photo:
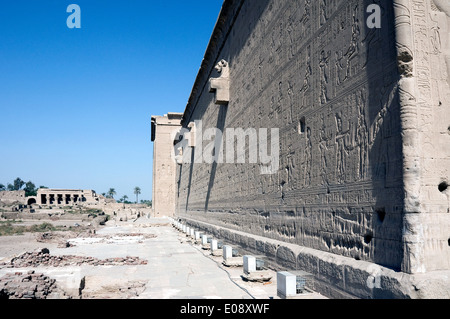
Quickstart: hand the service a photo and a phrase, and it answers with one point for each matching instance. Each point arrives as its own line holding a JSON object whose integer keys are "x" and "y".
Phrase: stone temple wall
{"x": 364, "y": 129}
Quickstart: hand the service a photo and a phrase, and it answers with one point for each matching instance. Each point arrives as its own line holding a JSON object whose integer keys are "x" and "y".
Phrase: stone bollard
{"x": 286, "y": 284}
{"x": 228, "y": 259}
{"x": 204, "y": 240}
{"x": 249, "y": 264}
{"x": 254, "y": 270}
{"x": 213, "y": 245}
{"x": 227, "y": 252}
{"x": 215, "y": 249}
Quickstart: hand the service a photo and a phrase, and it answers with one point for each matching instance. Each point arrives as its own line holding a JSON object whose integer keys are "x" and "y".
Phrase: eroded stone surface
{"x": 363, "y": 115}
{"x": 42, "y": 257}
{"x": 30, "y": 285}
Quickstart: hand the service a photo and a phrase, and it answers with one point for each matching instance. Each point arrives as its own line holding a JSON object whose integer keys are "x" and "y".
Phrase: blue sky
{"x": 76, "y": 103}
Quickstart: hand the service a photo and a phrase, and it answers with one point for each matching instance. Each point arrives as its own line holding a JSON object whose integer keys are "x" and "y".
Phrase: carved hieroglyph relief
{"x": 351, "y": 104}
{"x": 308, "y": 78}
{"x": 424, "y": 101}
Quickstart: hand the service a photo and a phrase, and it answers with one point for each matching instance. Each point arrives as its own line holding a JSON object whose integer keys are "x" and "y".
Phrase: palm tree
{"x": 111, "y": 192}
{"x": 18, "y": 184}
{"x": 137, "y": 191}
{"x": 123, "y": 200}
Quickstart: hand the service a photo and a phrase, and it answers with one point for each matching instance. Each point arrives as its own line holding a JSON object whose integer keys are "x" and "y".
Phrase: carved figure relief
{"x": 362, "y": 136}
{"x": 304, "y": 24}
{"x": 324, "y": 75}
{"x": 307, "y": 158}
{"x": 290, "y": 92}
{"x": 340, "y": 149}
{"x": 323, "y": 12}
{"x": 345, "y": 143}
{"x": 306, "y": 79}
{"x": 292, "y": 43}
{"x": 323, "y": 150}
{"x": 353, "y": 49}
{"x": 340, "y": 72}
{"x": 306, "y": 13}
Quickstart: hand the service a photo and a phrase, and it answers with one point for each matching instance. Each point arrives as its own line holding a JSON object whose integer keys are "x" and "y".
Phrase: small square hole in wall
{"x": 443, "y": 187}
{"x": 302, "y": 126}
{"x": 368, "y": 238}
{"x": 381, "y": 213}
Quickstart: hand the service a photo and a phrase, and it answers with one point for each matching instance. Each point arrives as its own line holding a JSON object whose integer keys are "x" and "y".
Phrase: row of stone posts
{"x": 290, "y": 284}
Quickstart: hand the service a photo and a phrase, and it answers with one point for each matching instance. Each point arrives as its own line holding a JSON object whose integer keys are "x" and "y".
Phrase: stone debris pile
{"x": 70, "y": 239}
{"x": 62, "y": 237}
{"x": 30, "y": 285}
{"x": 120, "y": 289}
{"x": 146, "y": 236}
{"x": 42, "y": 257}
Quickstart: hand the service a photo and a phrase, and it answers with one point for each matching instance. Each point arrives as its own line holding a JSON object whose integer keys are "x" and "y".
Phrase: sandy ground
{"x": 11, "y": 246}
{"x": 175, "y": 269}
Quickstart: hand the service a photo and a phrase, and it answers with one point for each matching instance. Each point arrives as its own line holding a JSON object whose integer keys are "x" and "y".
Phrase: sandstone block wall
{"x": 10, "y": 197}
{"x": 363, "y": 117}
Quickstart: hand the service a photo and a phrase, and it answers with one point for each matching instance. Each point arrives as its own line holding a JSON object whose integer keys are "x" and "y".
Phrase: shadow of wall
{"x": 385, "y": 156}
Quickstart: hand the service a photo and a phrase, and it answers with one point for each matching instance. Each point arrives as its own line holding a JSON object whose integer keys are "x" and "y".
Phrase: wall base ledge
{"x": 335, "y": 276}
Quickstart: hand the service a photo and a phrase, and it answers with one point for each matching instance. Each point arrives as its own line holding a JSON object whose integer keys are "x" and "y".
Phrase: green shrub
{"x": 8, "y": 229}
{"x": 42, "y": 228}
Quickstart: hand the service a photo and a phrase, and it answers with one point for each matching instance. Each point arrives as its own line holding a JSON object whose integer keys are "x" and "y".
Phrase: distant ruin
{"x": 10, "y": 197}
{"x": 65, "y": 197}
{"x": 48, "y": 197}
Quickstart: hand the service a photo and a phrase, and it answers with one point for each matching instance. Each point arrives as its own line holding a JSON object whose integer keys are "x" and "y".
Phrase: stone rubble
{"x": 62, "y": 238}
{"x": 26, "y": 286}
{"x": 118, "y": 290}
{"x": 42, "y": 257}
{"x": 146, "y": 236}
